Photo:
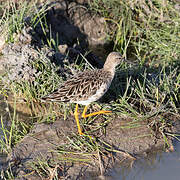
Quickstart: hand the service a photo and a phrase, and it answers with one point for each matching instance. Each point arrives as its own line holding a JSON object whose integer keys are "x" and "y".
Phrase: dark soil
{"x": 44, "y": 138}
{"x": 127, "y": 144}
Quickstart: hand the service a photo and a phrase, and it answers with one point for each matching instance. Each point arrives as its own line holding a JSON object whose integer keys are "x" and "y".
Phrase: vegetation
{"x": 146, "y": 33}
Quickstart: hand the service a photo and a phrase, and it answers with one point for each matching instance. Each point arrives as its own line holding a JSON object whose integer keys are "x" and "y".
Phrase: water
{"x": 160, "y": 166}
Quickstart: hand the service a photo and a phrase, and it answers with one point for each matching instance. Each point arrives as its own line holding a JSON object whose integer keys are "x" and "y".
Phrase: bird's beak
{"x": 127, "y": 61}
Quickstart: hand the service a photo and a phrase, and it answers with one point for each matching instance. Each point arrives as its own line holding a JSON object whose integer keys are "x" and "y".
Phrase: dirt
{"x": 128, "y": 145}
{"x": 62, "y": 19}
{"x": 43, "y": 142}
{"x": 72, "y": 21}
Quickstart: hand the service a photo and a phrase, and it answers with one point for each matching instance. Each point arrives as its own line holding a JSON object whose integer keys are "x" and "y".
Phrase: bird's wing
{"x": 80, "y": 87}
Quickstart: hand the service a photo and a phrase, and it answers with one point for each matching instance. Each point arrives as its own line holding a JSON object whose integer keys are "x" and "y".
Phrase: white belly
{"x": 99, "y": 93}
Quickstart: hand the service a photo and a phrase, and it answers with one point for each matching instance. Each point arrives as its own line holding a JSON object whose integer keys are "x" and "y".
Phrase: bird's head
{"x": 112, "y": 60}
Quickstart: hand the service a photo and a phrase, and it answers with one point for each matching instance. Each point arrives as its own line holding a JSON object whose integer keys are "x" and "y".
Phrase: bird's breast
{"x": 99, "y": 93}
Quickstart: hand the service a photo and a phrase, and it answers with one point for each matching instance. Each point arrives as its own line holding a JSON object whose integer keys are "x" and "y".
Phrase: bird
{"x": 87, "y": 87}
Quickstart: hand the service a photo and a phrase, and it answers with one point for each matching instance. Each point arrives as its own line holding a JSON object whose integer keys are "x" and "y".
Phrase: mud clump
{"x": 62, "y": 19}
{"x": 45, "y": 142}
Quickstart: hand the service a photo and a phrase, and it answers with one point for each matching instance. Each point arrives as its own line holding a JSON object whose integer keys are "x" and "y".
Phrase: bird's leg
{"x": 84, "y": 115}
{"x": 77, "y": 120}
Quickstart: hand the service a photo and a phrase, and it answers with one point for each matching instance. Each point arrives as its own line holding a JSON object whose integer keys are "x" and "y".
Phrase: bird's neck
{"x": 109, "y": 67}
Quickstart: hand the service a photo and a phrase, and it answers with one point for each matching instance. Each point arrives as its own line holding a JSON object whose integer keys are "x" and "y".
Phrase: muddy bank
{"x": 45, "y": 143}
{"x": 117, "y": 141}
{"x": 118, "y": 145}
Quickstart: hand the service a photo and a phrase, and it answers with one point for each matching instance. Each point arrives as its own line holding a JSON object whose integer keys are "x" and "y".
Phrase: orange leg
{"x": 84, "y": 115}
{"x": 77, "y": 120}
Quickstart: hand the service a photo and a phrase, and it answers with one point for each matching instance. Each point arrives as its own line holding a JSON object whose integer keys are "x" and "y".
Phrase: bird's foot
{"x": 96, "y": 113}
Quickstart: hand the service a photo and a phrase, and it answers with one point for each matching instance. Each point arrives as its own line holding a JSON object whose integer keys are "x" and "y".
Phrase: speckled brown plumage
{"x": 86, "y": 84}
{"x": 81, "y": 87}
{"x": 87, "y": 87}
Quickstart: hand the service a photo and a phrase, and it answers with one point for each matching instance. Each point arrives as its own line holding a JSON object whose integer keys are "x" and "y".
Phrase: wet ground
{"x": 159, "y": 165}
{"x": 149, "y": 162}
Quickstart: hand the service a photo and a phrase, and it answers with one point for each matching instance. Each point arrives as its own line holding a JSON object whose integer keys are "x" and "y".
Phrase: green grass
{"x": 14, "y": 133}
{"x": 13, "y": 18}
{"x": 148, "y": 91}
{"x": 152, "y": 38}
